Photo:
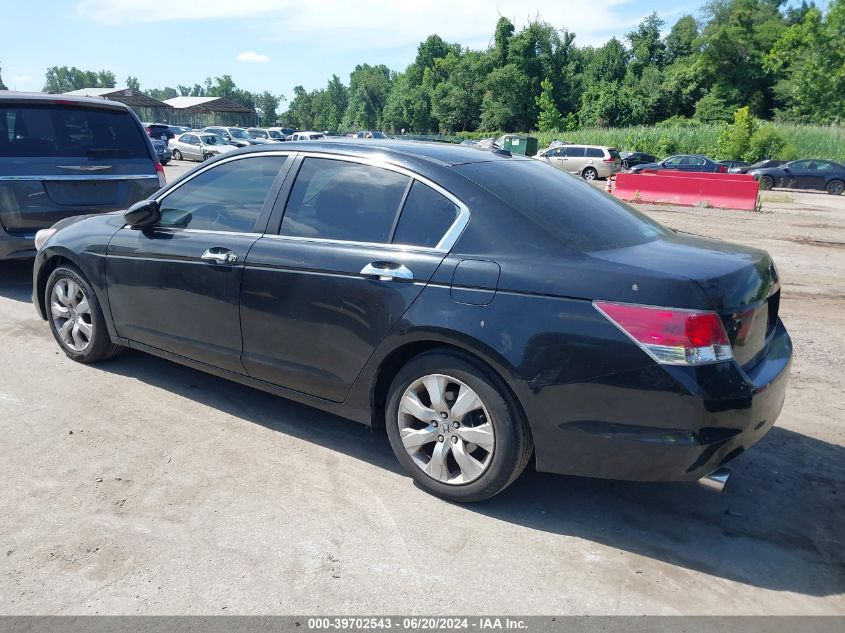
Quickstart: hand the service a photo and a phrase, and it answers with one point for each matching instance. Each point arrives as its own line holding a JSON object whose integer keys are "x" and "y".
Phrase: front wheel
{"x": 455, "y": 428}
{"x": 589, "y": 174}
{"x": 835, "y": 187}
{"x": 177, "y": 155}
{"x": 75, "y": 317}
{"x": 767, "y": 182}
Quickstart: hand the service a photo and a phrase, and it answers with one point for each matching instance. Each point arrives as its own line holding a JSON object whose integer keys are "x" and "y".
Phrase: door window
{"x": 227, "y": 197}
{"x": 675, "y": 160}
{"x": 823, "y": 165}
{"x": 574, "y": 152}
{"x": 800, "y": 165}
{"x": 340, "y": 200}
{"x": 426, "y": 217}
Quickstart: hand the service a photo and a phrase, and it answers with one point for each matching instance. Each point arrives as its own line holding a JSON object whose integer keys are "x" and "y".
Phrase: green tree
{"x": 734, "y": 141}
{"x": 647, "y": 47}
{"x": 59, "y": 79}
{"x": 508, "y": 103}
{"x": 369, "y": 87}
{"x": 550, "y": 117}
{"x": 132, "y": 84}
{"x": 682, "y": 38}
{"x": 300, "y": 114}
{"x": 268, "y": 103}
{"x": 810, "y": 61}
{"x": 2, "y": 85}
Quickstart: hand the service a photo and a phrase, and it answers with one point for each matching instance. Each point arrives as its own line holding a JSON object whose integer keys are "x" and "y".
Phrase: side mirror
{"x": 142, "y": 214}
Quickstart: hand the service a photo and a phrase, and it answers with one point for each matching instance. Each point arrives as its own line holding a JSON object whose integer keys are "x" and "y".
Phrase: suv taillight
{"x": 671, "y": 336}
{"x": 160, "y": 173}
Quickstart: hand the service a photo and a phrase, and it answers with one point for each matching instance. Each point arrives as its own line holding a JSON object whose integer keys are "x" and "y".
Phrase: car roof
{"x": 446, "y": 154}
{"x": 43, "y": 97}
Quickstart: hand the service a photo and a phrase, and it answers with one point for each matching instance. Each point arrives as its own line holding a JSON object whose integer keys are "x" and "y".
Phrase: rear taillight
{"x": 671, "y": 336}
{"x": 609, "y": 160}
{"x": 160, "y": 173}
{"x": 722, "y": 169}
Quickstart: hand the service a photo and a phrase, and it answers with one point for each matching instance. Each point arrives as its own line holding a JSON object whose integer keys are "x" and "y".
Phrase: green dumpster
{"x": 525, "y": 145}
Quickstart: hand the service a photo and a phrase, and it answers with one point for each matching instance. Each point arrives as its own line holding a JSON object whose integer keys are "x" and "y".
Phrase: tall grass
{"x": 802, "y": 141}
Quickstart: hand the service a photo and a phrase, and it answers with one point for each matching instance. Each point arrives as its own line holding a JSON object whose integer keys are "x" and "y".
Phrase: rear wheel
{"x": 75, "y": 317}
{"x": 767, "y": 182}
{"x": 835, "y": 187}
{"x": 589, "y": 173}
{"x": 177, "y": 155}
{"x": 455, "y": 428}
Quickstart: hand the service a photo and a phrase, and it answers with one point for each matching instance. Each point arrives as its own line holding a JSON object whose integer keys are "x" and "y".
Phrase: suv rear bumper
{"x": 662, "y": 423}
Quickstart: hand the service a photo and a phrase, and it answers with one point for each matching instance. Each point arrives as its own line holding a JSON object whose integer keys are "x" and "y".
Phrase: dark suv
{"x": 62, "y": 156}
{"x": 160, "y": 131}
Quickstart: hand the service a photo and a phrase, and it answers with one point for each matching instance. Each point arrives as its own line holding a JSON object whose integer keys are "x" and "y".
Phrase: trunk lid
{"x": 741, "y": 282}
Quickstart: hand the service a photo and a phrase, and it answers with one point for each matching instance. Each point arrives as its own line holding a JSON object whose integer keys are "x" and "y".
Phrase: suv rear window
{"x": 574, "y": 211}
{"x": 69, "y": 131}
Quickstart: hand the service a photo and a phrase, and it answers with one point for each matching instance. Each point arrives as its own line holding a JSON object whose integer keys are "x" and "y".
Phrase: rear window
{"x": 595, "y": 152}
{"x": 50, "y": 130}
{"x": 575, "y": 212}
{"x": 614, "y": 154}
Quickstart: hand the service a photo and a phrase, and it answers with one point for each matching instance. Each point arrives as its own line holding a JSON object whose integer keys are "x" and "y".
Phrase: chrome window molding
{"x": 205, "y": 168}
{"x": 450, "y": 237}
{"x": 176, "y": 230}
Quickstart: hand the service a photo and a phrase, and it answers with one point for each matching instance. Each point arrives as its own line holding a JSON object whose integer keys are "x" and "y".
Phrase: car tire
{"x": 439, "y": 453}
{"x": 835, "y": 187}
{"x": 589, "y": 173}
{"x": 177, "y": 155}
{"x": 75, "y": 317}
{"x": 767, "y": 182}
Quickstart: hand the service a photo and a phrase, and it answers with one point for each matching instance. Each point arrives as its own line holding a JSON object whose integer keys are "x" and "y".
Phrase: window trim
{"x": 269, "y": 197}
{"x": 450, "y": 237}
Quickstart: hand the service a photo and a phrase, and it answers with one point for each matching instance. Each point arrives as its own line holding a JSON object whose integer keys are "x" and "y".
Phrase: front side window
{"x": 675, "y": 160}
{"x": 227, "y": 197}
{"x": 426, "y": 217}
{"x": 800, "y": 165}
{"x": 340, "y": 200}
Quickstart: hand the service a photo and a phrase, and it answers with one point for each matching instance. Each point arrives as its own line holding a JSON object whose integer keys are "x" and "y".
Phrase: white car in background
{"x": 199, "y": 146}
{"x": 307, "y": 136}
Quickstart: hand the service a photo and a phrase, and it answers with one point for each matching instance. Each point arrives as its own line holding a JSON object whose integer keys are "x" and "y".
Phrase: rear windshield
{"x": 67, "y": 131}
{"x": 614, "y": 154}
{"x": 578, "y": 214}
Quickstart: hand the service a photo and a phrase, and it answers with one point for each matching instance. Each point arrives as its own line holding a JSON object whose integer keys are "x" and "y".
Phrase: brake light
{"x": 609, "y": 160}
{"x": 160, "y": 173}
{"x": 722, "y": 169}
{"x": 671, "y": 336}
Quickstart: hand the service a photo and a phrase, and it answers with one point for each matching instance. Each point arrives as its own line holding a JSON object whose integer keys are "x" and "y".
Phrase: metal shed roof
{"x": 206, "y": 104}
{"x": 123, "y": 95}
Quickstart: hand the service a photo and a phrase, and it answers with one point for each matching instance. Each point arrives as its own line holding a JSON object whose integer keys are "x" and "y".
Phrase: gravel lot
{"x": 141, "y": 486}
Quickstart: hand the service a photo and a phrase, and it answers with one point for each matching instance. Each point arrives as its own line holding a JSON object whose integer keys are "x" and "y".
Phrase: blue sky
{"x": 274, "y": 44}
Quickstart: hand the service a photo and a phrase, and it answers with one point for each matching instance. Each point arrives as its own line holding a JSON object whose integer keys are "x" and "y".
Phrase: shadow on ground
{"x": 16, "y": 280}
{"x": 780, "y": 524}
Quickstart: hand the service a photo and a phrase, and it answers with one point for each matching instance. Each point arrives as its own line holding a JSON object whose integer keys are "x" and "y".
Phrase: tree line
{"x": 780, "y": 61}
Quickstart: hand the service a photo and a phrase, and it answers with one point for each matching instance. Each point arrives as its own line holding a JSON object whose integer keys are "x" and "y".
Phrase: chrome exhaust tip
{"x": 717, "y": 480}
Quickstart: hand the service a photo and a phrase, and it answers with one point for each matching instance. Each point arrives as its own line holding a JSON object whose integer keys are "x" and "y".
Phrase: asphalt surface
{"x": 141, "y": 486}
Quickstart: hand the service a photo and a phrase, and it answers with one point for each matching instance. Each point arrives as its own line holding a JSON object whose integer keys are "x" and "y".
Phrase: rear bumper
{"x": 661, "y": 423}
{"x": 17, "y": 245}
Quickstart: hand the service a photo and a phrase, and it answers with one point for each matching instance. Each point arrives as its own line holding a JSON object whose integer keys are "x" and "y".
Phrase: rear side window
{"x": 68, "y": 131}
{"x": 227, "y": 197}
{"x": 575, "y": 212}
{"x": 426, "y": 217}
{"x": 340, "y": 200}
{"x": 574, "y": 152}
{"x": 595, "y": 152}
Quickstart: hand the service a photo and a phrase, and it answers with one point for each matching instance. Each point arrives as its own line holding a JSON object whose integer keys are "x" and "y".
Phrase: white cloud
{"x": 373, "y": 23}
{"x": 251, "y": 57}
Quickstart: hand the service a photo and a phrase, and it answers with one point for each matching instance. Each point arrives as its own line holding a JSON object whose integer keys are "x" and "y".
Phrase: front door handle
{"x": 220, "y": 255}
{"x": 387, "y": 271}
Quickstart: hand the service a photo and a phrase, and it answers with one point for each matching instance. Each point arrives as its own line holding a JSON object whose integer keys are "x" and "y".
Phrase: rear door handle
{"x": 386, "y": 271}
{"x": 220, "y": 255}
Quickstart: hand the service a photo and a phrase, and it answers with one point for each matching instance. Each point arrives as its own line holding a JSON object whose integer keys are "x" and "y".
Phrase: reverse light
{"x": 160, "y": 173}
{"x": 671, "y": 336}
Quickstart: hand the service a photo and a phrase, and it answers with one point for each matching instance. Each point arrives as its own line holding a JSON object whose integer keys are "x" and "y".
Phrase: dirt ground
{"x": 140, "y": 486}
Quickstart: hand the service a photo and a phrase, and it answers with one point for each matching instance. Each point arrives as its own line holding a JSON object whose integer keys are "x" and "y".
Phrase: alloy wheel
{"x": 590, "y": 174}
{"x": 446, "y": 429}
{"x": 835, "y": 187}
{"x": 71, "y": 314}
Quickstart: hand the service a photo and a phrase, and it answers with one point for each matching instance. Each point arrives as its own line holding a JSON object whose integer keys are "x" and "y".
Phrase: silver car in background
{"x": 271, "y": 136}
{"x": 588, "y": 161}
{"x": 199, "y": 146}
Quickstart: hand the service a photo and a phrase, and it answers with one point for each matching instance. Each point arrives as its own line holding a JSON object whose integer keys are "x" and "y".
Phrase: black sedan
{"x": 632, "y": 159}
{"x": 744, "y": 169}
{"x": 480, "y": 307}
{"x": 684, "y": 162}
{"x": 822, "y": 175}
